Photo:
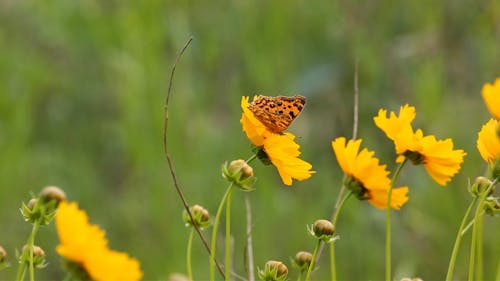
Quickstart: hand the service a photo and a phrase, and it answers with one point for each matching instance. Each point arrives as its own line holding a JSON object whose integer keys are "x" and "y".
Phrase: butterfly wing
{"x": 277, "y": 113}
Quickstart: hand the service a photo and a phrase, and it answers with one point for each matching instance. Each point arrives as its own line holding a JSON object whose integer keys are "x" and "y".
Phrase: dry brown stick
{"x": 169, "y": 160}
{"x": 354, "y": 136}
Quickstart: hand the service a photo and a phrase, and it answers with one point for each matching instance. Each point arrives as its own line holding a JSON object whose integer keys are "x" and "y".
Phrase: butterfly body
{"x": 277, "y": 113}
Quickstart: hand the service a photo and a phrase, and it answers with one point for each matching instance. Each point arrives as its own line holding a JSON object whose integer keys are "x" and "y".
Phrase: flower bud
{"x": 200, "y": 216}
{"x": 323, "y": 230}
{"x": 237, "y": 165}
{"x": 3, "y": 254}
{"x": 302, "y": 260}
{"x": 323, "y": 227}
{"x": 53, "y": 193}
{"x": 177, "y": 277}
{"x": 38, "y": 256}
{"x": 492, "y": 206}
{"x": 32, "y": 203}
{"x": 481, "y": 184}
{"x": 274, "y": 271}
{"x": 239, "y": 173}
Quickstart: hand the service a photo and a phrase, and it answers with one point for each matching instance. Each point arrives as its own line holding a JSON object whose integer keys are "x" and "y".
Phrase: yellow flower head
{"x": 437, "y": 156}
{"x": 281, "y": 149}
{"x": 86, "y": 245}
{"x": 488, "y": 142}
{"x": 364, "y": 172}
{"x": 491, "y": 96}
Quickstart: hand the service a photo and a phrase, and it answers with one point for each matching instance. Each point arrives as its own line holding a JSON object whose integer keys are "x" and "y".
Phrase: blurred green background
{"x": 82, "y": 85}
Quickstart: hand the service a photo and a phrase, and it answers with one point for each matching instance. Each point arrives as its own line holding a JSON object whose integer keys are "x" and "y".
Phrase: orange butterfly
{"x": 277, "y": 113}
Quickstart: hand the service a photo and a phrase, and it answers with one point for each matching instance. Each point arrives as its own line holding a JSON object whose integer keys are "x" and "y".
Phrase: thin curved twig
{"x": 169, "y": 160}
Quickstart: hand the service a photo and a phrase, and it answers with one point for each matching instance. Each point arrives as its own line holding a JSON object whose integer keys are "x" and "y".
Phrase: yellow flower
{"x": 491, "y": 96}
{"x": 488, "y": 142}
{"x": 85, "y": 244}
{"x": 438, "y": 157}
{"x": 281, "y": 149}
{"x": 366, "y": 177}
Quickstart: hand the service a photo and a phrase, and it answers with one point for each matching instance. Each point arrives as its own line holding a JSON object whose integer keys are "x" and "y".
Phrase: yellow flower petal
{"x": 283, "y": 153}
{"x": 112, "y": 265}
{"x": 488, "y": 141}
{"x": 399, "y": 197}
{"x": 364, "y": 168}
{"x": 85, "y": 244}
{"x": 393, "y": 125}
{"x": 255, "y": 130}
{"x": 491, "y": 96}
{"x": 440, "y": 160}
{"x": 77, "y": 236}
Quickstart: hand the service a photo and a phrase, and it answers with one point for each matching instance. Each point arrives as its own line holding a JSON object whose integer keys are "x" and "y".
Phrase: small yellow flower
{"x": 488, "y": 142}
{"x": 281, "y": 149}
{"x": 85, "y": 244}
{"x": 491, "y": 96}
{"x": 437, "y": 156}
{"x": 366, "y": 177}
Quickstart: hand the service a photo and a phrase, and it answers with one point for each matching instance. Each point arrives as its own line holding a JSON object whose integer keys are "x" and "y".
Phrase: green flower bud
{"x": 302, "y": 260}
{"x": 240, "y": 173}
{"x": 53, "y": 193}
{"x": 38, "y": 256}
{"x": 323, "y": 230}
{"x": 273, "y": 271}
{"x": 492, "y": 206}
{"x": 3, "y": 256}
{"x": 481, "y": 184}
{"x": 200, "y": 216}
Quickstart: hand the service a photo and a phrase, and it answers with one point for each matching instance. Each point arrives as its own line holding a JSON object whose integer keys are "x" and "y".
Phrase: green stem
{"x": 333, "y": 268}
{"x": 475, "y": 229}
{"x": 458, "y": 240}
{"x": 388, "y": 224}
{"x": 479, "y": 266}
{"x": 189, "y": 267}
{"x": 27, "y": 252}
{"x": 251, "y": 158}
{"x": 313, "y": 260}
{"x": 31, "y": 245}
{"x": 228, "y": 236}
{"x": 214, "y": 232}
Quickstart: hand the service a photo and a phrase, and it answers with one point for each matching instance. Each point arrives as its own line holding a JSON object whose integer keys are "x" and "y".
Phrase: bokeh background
{"x": 82, "y": 85}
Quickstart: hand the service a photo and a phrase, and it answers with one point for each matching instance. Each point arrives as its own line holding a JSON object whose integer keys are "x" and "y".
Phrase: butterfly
{"x": 277, "y": 113}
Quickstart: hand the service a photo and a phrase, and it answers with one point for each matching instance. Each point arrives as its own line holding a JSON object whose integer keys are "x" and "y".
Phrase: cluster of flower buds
{"x": 42, "y": 209}
{"x": 239, "y": 173}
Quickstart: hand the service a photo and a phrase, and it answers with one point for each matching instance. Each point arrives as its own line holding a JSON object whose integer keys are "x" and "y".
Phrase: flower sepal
{"x": 39, "y": 210}
{"x": 239, "y": 173}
